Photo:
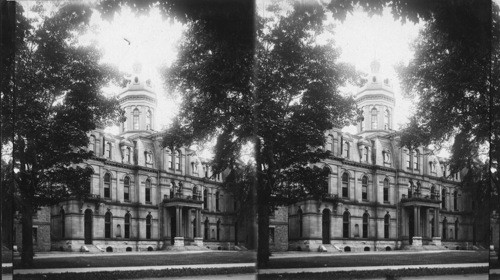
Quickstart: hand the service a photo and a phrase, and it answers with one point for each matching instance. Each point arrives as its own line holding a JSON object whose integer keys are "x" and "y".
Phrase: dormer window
{"x": 346, "y": 148}
{"x": 432, "y": 167}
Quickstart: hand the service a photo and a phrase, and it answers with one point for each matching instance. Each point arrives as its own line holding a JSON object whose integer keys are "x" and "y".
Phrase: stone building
{"x": 382, "y": 196}
{"x": 40, "y": 231}
{"x": 144, "y": 196}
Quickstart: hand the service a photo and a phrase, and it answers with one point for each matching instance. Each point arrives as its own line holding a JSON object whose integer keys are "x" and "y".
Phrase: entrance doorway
{"x": 326, "y": 221}
{"x": 411, "y": 226}
{"x": 173, "y": 226}
{"x": 87, "y": 226}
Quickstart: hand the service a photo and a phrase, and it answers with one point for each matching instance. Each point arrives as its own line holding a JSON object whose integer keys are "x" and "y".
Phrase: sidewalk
{"x": 295, "y": 254}
{"x": 367, "y": 268}
{"x": 57, "y": 254}
{"x": 128, "y": 268}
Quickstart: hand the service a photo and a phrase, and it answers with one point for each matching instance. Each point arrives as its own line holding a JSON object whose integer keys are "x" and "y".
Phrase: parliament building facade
{"x": 382, "y": 196}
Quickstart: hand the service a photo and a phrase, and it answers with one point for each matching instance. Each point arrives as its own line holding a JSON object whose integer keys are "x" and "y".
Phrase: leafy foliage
{"x": 52, "y": 100}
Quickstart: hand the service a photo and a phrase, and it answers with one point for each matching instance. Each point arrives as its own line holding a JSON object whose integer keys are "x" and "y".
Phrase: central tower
{"x": 376, "y": 100}
{"x": 139, "y": 102}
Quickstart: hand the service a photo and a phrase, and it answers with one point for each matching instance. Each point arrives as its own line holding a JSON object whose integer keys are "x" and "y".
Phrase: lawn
{"x": 109, "y": 260}
{"x": 381, "y": 259}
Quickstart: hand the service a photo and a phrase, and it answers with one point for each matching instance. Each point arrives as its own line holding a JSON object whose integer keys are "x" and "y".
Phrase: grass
{"x": 381, "y": 259}
{"x": 138, "y": 274}
{"x": 383, "y": 274}
{"x": 142, "y": 260}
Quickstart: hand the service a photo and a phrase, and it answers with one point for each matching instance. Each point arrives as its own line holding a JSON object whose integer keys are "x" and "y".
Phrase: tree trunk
{"x": 263, "y": 196}
{"x": 27, "y": 234}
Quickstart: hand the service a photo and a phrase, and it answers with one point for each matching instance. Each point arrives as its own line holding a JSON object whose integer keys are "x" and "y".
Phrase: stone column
{"x": 437, "y": 236}
{"x": 417, "y": 238}
{"x": 179, "y": 237}
{"x": 198, "y": 239}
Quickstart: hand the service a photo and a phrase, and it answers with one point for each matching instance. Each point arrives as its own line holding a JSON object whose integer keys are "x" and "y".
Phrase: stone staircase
{"x": 92, "y": 248}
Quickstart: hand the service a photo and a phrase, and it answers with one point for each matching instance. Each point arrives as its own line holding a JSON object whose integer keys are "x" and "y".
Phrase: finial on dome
{"x": 375, "y": 66}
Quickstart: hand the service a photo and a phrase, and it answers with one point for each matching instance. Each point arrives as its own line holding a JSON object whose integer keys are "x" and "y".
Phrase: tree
{"x": 52, "y": 100}
{"x": 452, "y": 76}
{"x": 282, "y": 103}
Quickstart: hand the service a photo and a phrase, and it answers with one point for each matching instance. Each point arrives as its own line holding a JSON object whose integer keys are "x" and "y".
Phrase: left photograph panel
{"x": 115, "y": 160}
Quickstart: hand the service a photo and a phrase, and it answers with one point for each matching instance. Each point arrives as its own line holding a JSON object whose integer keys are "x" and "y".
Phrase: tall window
{"x": 415, "y": 160}
{"x": 135, "y": 118}
{"x": 63, "y": 223}
{"x": 205, "y": 199}
{"x": 178, "y": 160}
{"x": 346, "y": 222}
{"x": 346, "y": 148}
{"x": 218, "y": 230}
{"x": 374, "y": 114}
{"x": 386, "y": 119}
{"x": 365, "y": 225}
{"x": 299, "y": 213}
{"x": 107, "y": 185}
{"x": 362, "y": 125}
{"x": 206, "y": 228}
{"x": 148, "y": 227}
{"x": 432, "y": 167}
{"x": 345, "y": 185}
{"x": 107, "y": 225}
{"x": 445, "y": 227}
{"x": 455, "y": 200}
{"x": 170, "y": 162}
{"x": 148, "y": 191}
{"x": 127, "y": 225}
{"x": 126, "y": 155}
{"x": 456, "y": 229}
{"x": 126, "y": 188}
{"x": 433, "y": 191}
{"x": 387, "y": 223}
{"x": 386, "y": 190}
{"x": 148, "y": 120}
{"x": 217, "y": 198}
{"x": 364, "y": 188}
{"x": 107, "y": 151}
{"x": 92, "y": 143}
{"x": 366, "y": 154}
{"x": 443, "y": 198}
{"x": 408, "y": 160}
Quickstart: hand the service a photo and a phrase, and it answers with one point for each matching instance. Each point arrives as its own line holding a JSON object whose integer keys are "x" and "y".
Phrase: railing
{"x": 417, "y": 196}
{"x": 92, "y": 197}
{"x": 181, "y": 197}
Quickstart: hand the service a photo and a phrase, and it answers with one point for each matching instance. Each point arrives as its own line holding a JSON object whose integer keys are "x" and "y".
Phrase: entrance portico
{"x": 418, "y": 209}
{"x": 180, "y": 208}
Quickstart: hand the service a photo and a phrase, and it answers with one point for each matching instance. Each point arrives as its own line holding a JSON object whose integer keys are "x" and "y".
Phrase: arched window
{"x": 410, "y": 189}
{"x": 148, "y": 226}
{"x": 217, "y": 198}
{"x": 387, "y": 119}
{"x": 135, "y": 118}
{"x": 346, "y": 223}
{"x": 178, "y": 160}
{"x": 148, "y": 120}
{"x": 365, "y": 225}
{"x": 195, "y": 191}
{"x": 205, "y": 199}
{"x": 362, "y": 125}
{"x": 346, "y": 147}
{"x": 374, "y": 115}
{"x": 127, "y": 225}
{"x": 443, "y": 198}
{"x": 445, "y": 227}
{"x": 364, "y": 188}
{"x": 408, "y": 160}
{"x": 107, "y": 185}
{"x": 456, "y": 229}
{"x": 206, "y": 229}
{"x": 386, "y": 190}
{"x": 92, "y": 144}
{"x": 415, "y": 159}
{"x": 107, "y": 225}
{"x": 366, "y": 155}
{"x": 455, "y": 200}
{"x": 126, "y": 188}
{"x": 218, "y": 230}
{"x": 387, "y": 223}
{"x": 300, "y": 214}
{"x": 345, "y": 185}
{"x": 148, "y": 191}
{"x": 433, "y": 228}
{"x": 63, "y": 223}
